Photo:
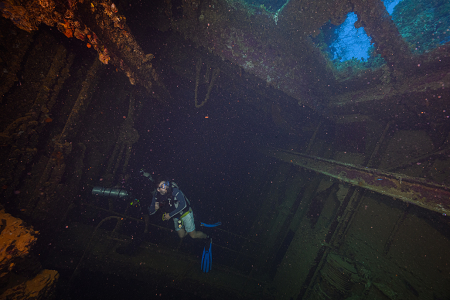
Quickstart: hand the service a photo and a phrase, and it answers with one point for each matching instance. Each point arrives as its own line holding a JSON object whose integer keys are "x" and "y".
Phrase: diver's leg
{"x": 197, "y": 235}
{"x": 182, "y": 233}
{"x": 189, "y": 226}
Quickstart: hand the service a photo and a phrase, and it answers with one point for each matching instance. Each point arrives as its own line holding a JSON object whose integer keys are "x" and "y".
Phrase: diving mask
{"x": 164, "y": 185}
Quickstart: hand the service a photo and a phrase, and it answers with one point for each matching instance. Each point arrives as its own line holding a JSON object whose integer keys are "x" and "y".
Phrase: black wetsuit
{"x": 173, "y": 200}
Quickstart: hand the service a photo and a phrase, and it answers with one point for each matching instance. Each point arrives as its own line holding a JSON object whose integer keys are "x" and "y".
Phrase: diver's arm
{"x": 181, "y": 202}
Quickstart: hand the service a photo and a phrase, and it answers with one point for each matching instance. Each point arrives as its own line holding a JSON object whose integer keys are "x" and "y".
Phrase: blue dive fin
{"x": 207, "y": 259}
{"x": 211, "y": 225}
{"x": 203, "y": 257}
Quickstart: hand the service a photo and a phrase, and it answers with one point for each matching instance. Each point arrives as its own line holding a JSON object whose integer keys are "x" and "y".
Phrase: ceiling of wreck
{"x": 277, "y": 52}
{"x": 276, "y": 49}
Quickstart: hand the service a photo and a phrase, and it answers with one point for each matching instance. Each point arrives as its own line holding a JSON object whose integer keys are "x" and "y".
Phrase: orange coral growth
{"x": 107, "y": 20}
{"x": 42, "y": 286}
{"x": 68, "y": 33}
{"x": 15, "y": 241}
{"x": 114, "y": 8}
{"x": 79, "y": 34}
{"x": 104, "y": 56}
{"x": 67, "y": 29}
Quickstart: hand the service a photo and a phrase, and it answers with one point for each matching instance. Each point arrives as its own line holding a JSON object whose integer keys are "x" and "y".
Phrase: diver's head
{"x": 163, "y": 187}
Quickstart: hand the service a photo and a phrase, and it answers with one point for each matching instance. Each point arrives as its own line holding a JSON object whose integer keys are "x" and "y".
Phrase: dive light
{"x": 109, "y": 192}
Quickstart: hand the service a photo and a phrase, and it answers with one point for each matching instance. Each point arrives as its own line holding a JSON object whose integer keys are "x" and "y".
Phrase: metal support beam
{"x": 413, "y": 190}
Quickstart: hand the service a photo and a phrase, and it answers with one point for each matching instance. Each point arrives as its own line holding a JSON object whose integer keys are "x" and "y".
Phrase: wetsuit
{"x": 174, "y": 199}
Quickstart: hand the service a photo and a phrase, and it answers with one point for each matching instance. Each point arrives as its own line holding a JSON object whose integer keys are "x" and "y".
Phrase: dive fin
{"x": 203, "y": 257}
{"x": 207, "y": 259}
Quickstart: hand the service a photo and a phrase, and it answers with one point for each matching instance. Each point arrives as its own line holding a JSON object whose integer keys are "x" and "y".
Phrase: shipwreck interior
{"x": 316, "y": 131}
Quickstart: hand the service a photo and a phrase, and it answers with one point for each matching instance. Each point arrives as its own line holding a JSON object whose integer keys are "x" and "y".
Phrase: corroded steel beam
{"x": 98, "y": 24}
{"x": 413, "y": 190}
{"x": 378, "y": 24}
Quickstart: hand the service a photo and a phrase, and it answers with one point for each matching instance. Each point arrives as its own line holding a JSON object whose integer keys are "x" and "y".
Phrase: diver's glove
{"x": 147, "y": 174}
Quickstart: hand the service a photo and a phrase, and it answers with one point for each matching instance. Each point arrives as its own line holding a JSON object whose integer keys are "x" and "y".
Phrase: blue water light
{"x": 390, "y": 5}
{"x": 351, "y": 42}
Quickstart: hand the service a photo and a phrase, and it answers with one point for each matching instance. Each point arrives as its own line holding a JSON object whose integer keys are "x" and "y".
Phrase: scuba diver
{"x": 169, "y": 196}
